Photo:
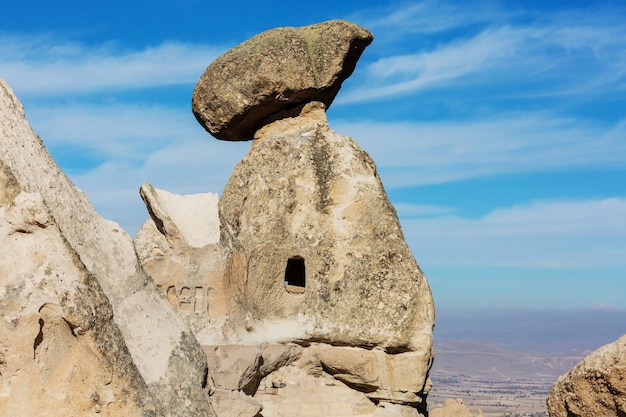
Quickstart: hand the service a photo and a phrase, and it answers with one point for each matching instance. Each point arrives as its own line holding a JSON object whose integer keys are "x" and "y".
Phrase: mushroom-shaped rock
{"x": 274, "y": 74}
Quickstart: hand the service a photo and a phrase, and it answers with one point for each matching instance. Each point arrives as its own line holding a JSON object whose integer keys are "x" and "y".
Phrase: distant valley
{"x": 505, "y": 362}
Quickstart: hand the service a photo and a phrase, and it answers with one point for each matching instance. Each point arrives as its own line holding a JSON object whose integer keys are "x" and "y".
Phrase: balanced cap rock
{"x": 276, "y": 73}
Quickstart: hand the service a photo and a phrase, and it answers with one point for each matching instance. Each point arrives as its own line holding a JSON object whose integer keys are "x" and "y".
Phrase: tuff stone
{"x": 594, "y": 387}
{"x": 310, "y": 255}
{"x": 142, "y": 334}
{"x": 274, "y": 74}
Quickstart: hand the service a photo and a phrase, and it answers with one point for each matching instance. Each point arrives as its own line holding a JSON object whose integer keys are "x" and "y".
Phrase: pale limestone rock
{"x": 161, "y": 346}
{"x": 307, "y": 198}
{"x": 311, "y": 252}
{"x": 278, "y": 70}
{"x": 60, "y": 351}
{"x": 191, "y": 218}
{"x": 241, "y": 367}
{"x": 228, "y": 403}
{"x": 179, "y": 248}
{"x": 296, "y": 391}
{"x": 454, "y": 408}
{"x": 594, "y": 387}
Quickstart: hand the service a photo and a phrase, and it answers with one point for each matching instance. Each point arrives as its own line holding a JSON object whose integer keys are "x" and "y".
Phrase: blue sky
{"x": 498, "y": 127}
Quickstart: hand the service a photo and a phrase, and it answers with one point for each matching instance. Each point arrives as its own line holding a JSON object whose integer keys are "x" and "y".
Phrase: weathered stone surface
{"x": 234, "y": 404}
{"x": 276, "y": 71}
{"x": 310, "y": 252}
{"x": 60, "y": 351}
{"x": 179, "y": 248}
{"x": 309, "y": 199}
{"x": 307, "y": 196}
{"x": 594, "y": 387}
{"x": 161, "y": 346}
{"x": 454, "y": 408}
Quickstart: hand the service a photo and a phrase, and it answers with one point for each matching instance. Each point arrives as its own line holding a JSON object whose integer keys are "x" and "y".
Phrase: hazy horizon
{"x": 542, "y": 330}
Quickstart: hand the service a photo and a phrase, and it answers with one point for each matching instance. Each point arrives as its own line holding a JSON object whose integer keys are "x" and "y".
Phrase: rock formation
{"x": 72, "y": 288}
{"x": 594, "y": 387}
{"x": 309, "y": 300}
{"x": 279, "y": 70}
{"x": 292, "y": 294}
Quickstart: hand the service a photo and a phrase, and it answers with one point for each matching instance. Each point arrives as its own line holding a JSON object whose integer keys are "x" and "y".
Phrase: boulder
{"x": 159, "y": 343}
{"x": 277, "y": 71}
{"x": 594, "y": 387}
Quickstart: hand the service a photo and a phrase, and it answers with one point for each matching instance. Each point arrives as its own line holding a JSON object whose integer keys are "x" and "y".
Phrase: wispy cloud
{"x": 548, "y": 234}
{"x": 186, "y": 166}
{"x": 429, "y": 16}
{"x": 443, "y": 151}
{"x": 43, "y": 66}
{"x": 558, "y": 53}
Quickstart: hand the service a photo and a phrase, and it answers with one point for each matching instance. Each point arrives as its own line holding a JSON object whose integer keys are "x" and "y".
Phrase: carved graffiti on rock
{"x": 186, "y": 299}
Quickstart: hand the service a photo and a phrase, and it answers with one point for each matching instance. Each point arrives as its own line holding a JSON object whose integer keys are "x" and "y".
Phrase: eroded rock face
{"x": 106, "y": 282}
{"x": 322, "y": 246}
{"x": 277, "y": 71}
{"x": 594, "y": 387}
{"x": 316, "y": 282}
{"x": 60, "y": 351}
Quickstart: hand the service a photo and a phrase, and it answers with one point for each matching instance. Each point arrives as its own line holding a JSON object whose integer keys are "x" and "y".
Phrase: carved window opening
{"x": 295, "y": 276}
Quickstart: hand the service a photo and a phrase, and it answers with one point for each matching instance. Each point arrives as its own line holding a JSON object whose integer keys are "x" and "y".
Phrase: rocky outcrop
{"x": 60, "y": 351}
{"x": 311, "y": 262}
{"x": 96, "y": 300}
{"x": 594, "y": 387}
{"x": 277, "y": 71}
{"x": 322, "y": 247}
{"x": 293, "y": 294}
{"x": 309, "y": 302}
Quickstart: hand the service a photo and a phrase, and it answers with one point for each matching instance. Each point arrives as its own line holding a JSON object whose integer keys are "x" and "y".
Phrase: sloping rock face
{"x": 105, "y": 280}
{"x": 279, "y": 70}
{"x": 60, "y": 351}
{"x": 594, "y": 387}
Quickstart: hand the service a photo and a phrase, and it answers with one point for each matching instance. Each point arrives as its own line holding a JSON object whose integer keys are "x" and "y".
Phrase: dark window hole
{"x": 295, "y": 276}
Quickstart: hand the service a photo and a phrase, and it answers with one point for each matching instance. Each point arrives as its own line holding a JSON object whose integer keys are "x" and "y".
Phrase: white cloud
{"x": 191, "y": 165}
{"x": 555, "y": 54}
{"x": 429, "y": 69}
{"x": 120, "y": 130}
{"x": 549, "y": 234}
{"x": 40, "y": 66}
{"x": 428, "y": 16}
{"x": 443, "y": 151}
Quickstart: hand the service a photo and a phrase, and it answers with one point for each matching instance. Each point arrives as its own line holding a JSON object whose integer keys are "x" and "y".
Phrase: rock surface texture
{"x": 277, "y": 71}
{"x": 294, "y": 294}
{"x": 87, "y": 297}
{"x": 311, "y": 280}
{"x": 594, "y": 387}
